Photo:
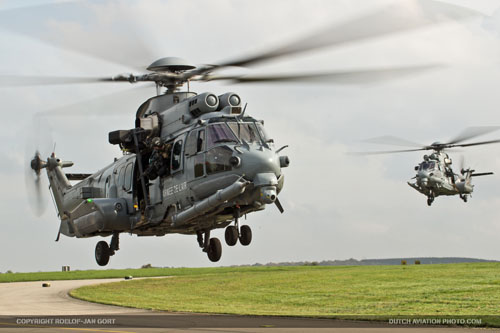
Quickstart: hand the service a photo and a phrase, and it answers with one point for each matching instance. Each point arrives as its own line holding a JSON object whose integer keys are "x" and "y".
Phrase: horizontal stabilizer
{"x": 77, "y": 176}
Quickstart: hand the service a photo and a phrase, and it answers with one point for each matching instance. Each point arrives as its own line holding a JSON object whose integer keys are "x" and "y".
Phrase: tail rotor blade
{"x": 38, "y": 147}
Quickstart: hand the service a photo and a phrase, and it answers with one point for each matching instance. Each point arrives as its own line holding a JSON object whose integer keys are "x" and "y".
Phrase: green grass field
{"x": 109, "y": 273}
{"x": 313, "y": 291}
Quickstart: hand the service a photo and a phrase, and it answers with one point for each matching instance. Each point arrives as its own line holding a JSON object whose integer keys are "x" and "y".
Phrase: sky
{"x": 337, "y": 206}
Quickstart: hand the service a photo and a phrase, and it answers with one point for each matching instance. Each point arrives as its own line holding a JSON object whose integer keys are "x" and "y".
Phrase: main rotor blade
{"x": 340, "y": 77}
{"x": 82, "y": 27}
{"x": 393, "y": 140}
{"x": 386, "y": 151}
{"x": 476, "y": 143}
{"x": 105, "y": 105}
{"x": 18, "y": 80}
{"x": 472, "y": 132}
{"x": 401, "y": 16}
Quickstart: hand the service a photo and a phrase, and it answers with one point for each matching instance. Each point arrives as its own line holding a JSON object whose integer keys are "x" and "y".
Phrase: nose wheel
{"x": 235, "y": 233}
{"x": 231, "y": 235}
{"x": 430, "y": 200}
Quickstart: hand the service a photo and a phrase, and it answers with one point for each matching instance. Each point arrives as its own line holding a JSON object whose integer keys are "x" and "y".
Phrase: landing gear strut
{"x": 211, "y": 246}
{"x": 103, "y": 251}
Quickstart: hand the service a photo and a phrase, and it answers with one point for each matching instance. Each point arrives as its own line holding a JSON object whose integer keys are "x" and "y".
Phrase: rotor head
{"x": 170, "y": 64}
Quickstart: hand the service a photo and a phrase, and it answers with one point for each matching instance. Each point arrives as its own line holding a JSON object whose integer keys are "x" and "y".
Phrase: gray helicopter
{"x": 435, "y": 176}
{"x": 193, "y": 162}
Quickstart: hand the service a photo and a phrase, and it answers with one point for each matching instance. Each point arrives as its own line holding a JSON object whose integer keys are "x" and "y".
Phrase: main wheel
{"x": 245, "y": 235}
{"x": 231, "y": 235}
{"x": 102, "y": 253}
{"x": 465, "y": 198}
{"x": 214, "y": 249}
{"x": 429, "y": 201}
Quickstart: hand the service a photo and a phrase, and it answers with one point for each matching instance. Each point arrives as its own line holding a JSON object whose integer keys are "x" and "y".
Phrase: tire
{"x": 102, "y": 253}
{"x": 245, "y": 235}
{"x": 231, "y": 235}
{"x": 214, "y": 250}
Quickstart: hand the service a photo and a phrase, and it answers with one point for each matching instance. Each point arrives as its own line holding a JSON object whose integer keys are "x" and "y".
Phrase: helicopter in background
{"x": 435, "y": 176}
{"x": 193, "y": 162}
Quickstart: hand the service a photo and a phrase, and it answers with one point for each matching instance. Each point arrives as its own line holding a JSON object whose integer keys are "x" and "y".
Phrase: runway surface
{"x": 29, "y": 307}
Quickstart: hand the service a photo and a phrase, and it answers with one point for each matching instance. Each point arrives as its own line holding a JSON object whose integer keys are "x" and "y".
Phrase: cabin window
{"x": 121, "y": 176}
{"x": 176, "y": 155}
{"x": 217, "y": 159}
{"x": 106, "y": 186}
{"x": 128, "y": 177}
{"x": 245, "y": 131}
{"x": 219, "y": 133}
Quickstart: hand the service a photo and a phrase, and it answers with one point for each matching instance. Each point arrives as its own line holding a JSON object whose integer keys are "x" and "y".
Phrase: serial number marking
{"x": 174, "y": 189}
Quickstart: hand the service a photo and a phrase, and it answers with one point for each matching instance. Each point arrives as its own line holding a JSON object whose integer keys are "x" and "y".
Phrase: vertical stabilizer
{"x": 59, "y": 183}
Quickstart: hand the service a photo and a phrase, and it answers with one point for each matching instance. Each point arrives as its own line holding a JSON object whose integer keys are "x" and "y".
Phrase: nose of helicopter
{"x": 262, "y": 167}
{"x": 259, "y": 161}
{"x": 425, "y": 178}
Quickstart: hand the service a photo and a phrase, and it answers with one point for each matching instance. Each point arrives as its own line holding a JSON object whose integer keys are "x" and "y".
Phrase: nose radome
{"x": 258, "y": 162}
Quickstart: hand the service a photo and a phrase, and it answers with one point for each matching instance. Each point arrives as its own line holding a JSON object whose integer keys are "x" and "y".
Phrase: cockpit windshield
{"x": 427, "y": 165}
{"x": 245, "y": 131}
{"x": 263, "y": 133}
{"x": 218, "y": 133}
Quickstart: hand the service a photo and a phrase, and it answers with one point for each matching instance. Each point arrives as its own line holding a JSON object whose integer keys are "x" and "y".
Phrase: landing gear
{"x": 245, "y": 235}
{"x": 463, "y": 197}
{"x": 231, "y": 235}
{"x": 430, "y": 199}
{"x": 211, "y": 246}
{"x": 214, "y": 251}
{"x": 103, "y": 251}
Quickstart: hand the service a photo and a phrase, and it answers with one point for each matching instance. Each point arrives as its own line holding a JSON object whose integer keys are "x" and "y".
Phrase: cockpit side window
{"x": 219, "y": 133}
{"x": 195, "y": 142}
{"x": 200, "y": 142}
{"x": 191, "y": 143}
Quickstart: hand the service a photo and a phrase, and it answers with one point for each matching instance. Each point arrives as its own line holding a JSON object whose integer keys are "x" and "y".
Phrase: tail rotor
{"x": 36, "y": 183}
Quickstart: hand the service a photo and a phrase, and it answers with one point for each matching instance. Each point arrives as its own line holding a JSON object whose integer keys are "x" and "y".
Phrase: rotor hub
{"x": 170, "y": 64}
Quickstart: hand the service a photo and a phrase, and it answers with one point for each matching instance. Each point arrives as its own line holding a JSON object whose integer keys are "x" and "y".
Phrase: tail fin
{"x": 59, "y": 183}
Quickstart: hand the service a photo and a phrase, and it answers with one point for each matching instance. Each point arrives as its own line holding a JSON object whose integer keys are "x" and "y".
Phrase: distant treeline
{"x": 368, "y": 262}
